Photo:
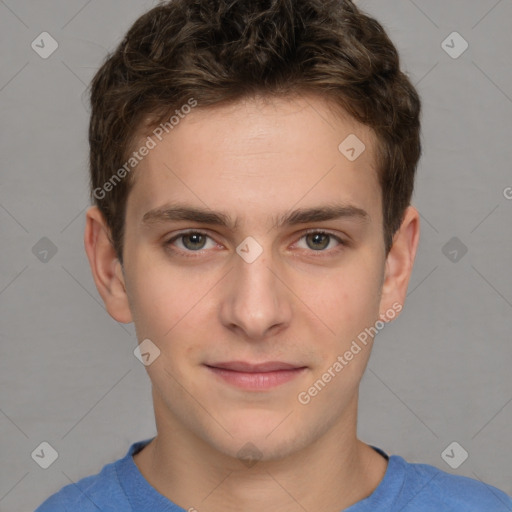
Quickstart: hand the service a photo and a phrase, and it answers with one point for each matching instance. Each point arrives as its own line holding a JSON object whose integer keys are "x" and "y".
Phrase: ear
{"x": 105, "y": 266}
{"x": 399, "y": 262}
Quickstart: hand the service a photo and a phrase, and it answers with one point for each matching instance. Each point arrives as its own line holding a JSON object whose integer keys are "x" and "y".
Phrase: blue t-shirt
{"x": 406, "y": 487}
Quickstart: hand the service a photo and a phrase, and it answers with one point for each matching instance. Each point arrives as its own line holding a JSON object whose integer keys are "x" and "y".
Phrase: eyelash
{"x": 188, "y": 254}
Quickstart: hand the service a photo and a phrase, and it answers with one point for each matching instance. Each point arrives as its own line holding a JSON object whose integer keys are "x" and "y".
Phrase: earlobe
{"x": 105, "y": 266}
{"x": 400, "y": 261}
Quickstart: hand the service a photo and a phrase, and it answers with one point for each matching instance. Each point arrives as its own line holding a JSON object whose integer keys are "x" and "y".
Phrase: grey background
{"x": 440, "y": 373}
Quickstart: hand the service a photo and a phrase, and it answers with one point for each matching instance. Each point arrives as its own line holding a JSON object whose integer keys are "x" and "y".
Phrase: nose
{"x": 256, "y": 303}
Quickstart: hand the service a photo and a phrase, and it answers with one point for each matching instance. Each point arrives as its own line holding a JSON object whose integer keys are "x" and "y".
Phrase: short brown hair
{"x": 220, "y": 51}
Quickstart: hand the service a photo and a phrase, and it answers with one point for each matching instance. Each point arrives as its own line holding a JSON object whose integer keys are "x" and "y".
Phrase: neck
{"x": 333, "y": 473}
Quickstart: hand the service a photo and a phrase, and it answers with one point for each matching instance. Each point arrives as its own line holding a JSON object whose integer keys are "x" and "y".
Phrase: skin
{"x": 302, "y": 301}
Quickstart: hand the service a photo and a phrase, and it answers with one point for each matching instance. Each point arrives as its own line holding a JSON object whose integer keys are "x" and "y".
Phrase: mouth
{"x": 256, "y": 377}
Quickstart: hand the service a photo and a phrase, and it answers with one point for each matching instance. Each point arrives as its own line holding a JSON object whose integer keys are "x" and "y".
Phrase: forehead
{"x": 258, "y": 158}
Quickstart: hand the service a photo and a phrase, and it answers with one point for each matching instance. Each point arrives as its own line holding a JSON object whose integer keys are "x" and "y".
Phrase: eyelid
{"x": 176, "y": 236}
{"x": 322, "y": 231}
{"x": 342, "y": 242}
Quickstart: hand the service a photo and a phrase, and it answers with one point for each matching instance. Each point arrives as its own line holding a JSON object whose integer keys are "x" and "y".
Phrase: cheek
{"x": 348, "y": 299}
{"x": 170, "y": 306}
{"x": 153, "y": 301}
{"x": 159, "y": 293}
{"x": 350, "y": 306}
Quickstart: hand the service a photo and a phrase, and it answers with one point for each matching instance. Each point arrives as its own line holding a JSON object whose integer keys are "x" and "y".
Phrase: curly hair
{"x": 221, "y": 51}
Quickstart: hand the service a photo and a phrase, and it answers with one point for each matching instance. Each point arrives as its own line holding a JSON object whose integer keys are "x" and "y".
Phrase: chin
{"x": 255, "y": 440}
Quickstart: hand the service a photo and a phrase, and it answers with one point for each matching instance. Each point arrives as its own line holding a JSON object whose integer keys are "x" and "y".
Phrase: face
{"x": 261, "y": 282}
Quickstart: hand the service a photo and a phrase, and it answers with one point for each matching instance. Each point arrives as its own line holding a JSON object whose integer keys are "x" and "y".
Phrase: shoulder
{"x": 429, "y": 486}
{"x": 101, "y": 491}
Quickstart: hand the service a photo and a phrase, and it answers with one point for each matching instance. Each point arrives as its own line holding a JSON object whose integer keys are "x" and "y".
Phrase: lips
{"x": 241, "y": 366}
{"x": 255, "y": 376}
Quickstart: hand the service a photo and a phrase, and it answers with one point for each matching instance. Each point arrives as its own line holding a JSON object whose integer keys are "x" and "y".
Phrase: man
{"x": 252, "y": 166}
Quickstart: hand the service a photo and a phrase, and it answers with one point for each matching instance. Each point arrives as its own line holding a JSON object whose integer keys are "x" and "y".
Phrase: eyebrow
{"x": 178, "y": 212}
